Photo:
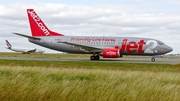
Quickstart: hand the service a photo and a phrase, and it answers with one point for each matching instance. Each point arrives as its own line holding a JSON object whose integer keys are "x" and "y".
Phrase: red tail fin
{"x": 38, "y": 28}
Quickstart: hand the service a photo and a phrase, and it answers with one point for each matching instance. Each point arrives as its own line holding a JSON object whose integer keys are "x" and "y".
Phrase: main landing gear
{"x": 95, "y": 57}
{"x": 153, "y": 59}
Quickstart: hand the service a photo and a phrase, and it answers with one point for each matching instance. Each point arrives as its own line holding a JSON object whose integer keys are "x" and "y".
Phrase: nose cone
{"x": 169, "y": 49}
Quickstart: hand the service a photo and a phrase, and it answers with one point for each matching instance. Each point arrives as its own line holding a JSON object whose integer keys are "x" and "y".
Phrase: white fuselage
{"x": 25, "y": 50}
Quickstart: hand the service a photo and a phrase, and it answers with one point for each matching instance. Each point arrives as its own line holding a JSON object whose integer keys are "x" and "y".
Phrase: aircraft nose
{"x": 169, "y": 49}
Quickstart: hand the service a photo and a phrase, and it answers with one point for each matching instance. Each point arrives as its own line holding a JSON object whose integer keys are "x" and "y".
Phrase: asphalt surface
{"x": 129, "y": 60}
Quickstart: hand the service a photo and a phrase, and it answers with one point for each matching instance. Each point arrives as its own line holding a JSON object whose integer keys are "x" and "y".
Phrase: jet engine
{"x": 111, "y": 53}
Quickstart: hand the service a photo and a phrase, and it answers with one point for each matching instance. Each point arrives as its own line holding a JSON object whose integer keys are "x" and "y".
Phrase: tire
{"x": 97, "y": 57}
{"x": 92, "y": 57}
{"x": 153, "y": 59}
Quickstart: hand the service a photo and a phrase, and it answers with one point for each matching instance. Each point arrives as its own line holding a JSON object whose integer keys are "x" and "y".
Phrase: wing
{"x": 85, "y": 48}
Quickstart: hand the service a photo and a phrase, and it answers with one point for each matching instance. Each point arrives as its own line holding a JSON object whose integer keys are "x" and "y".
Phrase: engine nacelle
{"x": 111, "y": 53}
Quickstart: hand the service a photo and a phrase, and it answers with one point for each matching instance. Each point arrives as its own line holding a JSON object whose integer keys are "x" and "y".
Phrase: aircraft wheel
{"x": 92, "y": 57}
{"x": 153, "y": 59}
{"x": 97, "y": 57}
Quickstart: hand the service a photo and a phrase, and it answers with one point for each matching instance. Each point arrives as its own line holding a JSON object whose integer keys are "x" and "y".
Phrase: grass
{"x": 34, "y": 83}
{"x": 88, "y": 81}
{"x": 94, "y": 65}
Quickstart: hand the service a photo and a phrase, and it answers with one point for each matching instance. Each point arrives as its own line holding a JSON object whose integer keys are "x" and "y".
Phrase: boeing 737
{"x": 107, "y": 47}
{"x": 23, "y": 50}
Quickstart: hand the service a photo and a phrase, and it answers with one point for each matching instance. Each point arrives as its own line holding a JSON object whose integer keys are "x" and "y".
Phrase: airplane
{"x": 107, "y": 47}
{"x": 23, "y": 50}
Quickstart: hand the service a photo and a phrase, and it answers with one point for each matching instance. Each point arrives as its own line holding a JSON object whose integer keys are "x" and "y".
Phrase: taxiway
{"x": 127, "y": 60}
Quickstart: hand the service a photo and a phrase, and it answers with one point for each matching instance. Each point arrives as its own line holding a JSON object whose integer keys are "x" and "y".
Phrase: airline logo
{"x": 38, "y": 22}
{"x": 8, "y": 44}
{"x": 129, "y": 46}
{"x": 132, "y": 46}
{"x": 111, "y": 53}
{"x": 88, "y": 39}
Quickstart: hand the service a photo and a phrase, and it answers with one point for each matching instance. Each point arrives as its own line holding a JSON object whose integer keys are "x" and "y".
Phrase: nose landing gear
{"x": 153, "y": 59}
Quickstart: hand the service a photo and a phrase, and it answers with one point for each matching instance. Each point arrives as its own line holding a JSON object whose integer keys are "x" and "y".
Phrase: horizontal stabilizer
{"x": 29, "y": 37}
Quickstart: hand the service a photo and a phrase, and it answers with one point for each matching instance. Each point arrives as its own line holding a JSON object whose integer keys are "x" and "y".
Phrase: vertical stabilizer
{"x": 38, "y": 28}
{"x": 8, "y": 44}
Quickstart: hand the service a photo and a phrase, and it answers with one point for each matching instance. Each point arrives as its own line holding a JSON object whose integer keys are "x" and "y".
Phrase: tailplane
{"x": 8, "y": 44}
{"x": 38, "y": 28}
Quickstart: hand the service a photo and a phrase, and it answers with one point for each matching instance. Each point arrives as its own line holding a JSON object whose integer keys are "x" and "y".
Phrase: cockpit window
{"x": 160, "y": 43}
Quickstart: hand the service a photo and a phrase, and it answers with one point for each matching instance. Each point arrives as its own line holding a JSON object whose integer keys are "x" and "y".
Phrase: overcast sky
{"x": 158, "y": 19}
